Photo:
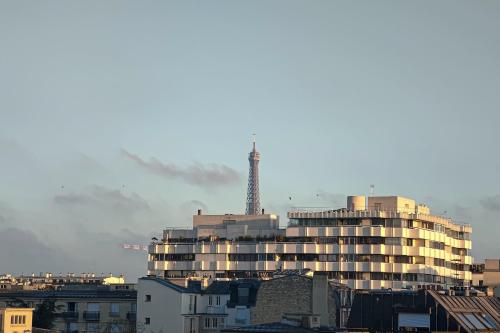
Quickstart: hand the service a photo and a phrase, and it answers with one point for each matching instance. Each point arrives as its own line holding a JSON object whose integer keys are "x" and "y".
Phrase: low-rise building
{"x": 16, "y": 320}
{"x": 94, "y": 309}
{"x": 193, "y": 306}
{"x": 424, "y": 311}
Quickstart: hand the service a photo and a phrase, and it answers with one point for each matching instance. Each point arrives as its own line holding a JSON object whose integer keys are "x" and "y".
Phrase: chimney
{"x": 320, "y": 297}
{"x": 199, "y": 211}
{"x": 262, "y": 211}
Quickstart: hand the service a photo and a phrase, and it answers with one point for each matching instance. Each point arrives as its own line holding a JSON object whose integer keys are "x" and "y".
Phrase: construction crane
{"x": 134, "y": 247}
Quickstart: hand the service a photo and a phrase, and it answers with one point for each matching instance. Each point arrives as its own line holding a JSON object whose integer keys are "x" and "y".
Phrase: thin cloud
{"x": 197, "y": 174}
{"x": 491, "y": 203}
{"x": 103, "y": 196}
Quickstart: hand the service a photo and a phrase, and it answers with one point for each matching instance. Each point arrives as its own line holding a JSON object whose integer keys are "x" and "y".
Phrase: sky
{"x": 120, "y": 118}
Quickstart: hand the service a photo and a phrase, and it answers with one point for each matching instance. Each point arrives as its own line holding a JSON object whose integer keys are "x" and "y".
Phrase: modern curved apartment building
{"x": 375, "y": 242}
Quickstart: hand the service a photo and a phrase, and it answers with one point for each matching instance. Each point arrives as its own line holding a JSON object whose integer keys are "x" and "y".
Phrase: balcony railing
{"x": 91, "y": 315}
{"x": 70, "y": 315}
{"x": 216, "y": 309}
{"x": 131, "y": 316}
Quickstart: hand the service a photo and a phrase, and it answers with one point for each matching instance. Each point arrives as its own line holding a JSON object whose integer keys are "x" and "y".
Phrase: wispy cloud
{"x": 196, "y": 174}
{"x": 103, "y": 196}
{"x": 491, "y": 203}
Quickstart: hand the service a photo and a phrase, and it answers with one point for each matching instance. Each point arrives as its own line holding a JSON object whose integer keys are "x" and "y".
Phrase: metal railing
{"x": 91, "y": 315}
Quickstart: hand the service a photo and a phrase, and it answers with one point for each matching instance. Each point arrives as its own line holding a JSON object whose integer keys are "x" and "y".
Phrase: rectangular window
{"x": 114, "y": 309}
{"x": 93, "y": 307}
{"x": 148, "y": 298}
{"x": 147, "y": 321}
{"x": 92, "y": 327}
{"x": 217, "y": 300}
{"x": 209, "y": 300}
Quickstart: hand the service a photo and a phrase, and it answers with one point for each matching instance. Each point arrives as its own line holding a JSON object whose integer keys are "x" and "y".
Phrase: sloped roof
{"x": 474, "y": 314}
{"x": 269, "y": 328}
{"x": 218, "y": 288}
{"x": 190, "y": 289}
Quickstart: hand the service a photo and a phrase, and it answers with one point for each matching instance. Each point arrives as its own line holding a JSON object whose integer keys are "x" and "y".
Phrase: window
{"x": 207, "y": 322}
{"x": 147, "y": 321}
{"x": 217, "y": 300}
{"x": 115, "y": 328}
{"x": 72, "y": 307}
{"x": 214, "y": 322}
{"x": 93, "y": 307}
{"x": 210, "y": 300}
{"x": 92, "y": 327}
{"x": 148, "y": 298}
{"x": 114, "y": 309}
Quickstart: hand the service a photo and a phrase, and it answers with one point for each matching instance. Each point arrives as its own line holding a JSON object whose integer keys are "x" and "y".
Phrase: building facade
{"x": 193, "y": 306}
{"x": 376, "y": 242}
{"x": 94, "y": 309}
{"x": 16, "y": 320}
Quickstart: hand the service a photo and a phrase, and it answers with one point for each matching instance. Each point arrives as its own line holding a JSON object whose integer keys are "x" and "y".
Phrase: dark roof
{"x": 218, "y": 288}
{"x": 58, "y": 294}
{"x": 270, "y": 328}
{"x": 192, "y": 288}
{"x": 471, "y": 312}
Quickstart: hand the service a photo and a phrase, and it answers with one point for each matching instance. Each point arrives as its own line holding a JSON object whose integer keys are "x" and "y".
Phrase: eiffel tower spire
{"x": 253, "y": 197}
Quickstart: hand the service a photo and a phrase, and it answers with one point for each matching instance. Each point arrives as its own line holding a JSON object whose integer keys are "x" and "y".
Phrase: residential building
{"x": 423, "y": 311}
{"x": 16, "y": 320}
{"x": 93, "y": 309}
{"x": 486, "y": 276}
{"x": 376, "y": 242}
{"x": 50, "y": 281}
{"x": 193, "y": 306}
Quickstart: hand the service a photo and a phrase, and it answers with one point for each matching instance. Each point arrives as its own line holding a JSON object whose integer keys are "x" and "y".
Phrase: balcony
{"x": 216, "y": 309}
{"x": 131, "y": 316}
{"x": 70, "y": 315}
{"x": 91, "y": 315}
{"x": 114, "y": 314}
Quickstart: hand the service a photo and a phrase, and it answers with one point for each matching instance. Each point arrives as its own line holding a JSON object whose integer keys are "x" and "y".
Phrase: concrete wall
{"x": 392, "y": 203}
{"x": 492, "y": 272}
{"x": 164, "y": 309}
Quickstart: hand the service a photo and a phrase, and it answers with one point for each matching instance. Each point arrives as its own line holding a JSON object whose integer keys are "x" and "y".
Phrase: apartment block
{"x": 373, "y": 243}
{"x": 93, "y": 309}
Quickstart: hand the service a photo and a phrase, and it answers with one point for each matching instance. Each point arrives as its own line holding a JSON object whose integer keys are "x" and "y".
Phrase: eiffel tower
{"x": 253, "y": 198}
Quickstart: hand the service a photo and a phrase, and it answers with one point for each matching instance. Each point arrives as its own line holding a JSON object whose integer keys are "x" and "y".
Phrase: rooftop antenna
{"x": 253, "y": 140}
{"x": 372, "y": 190}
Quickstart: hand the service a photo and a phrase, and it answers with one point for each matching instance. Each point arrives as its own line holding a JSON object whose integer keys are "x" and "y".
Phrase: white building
{"x": 376, "y": 242}
{"x": 188, "y": 306}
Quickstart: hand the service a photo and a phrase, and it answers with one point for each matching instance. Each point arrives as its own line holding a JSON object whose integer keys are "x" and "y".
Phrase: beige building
{"x": 93, "y": 309}
{"x": 376, "y": 242}
{"x": 486, "y": 276}
{"x": 16, "y": 320}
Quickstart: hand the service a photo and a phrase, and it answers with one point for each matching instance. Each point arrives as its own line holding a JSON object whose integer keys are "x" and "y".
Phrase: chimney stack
{"x": 320, "y": 297}
{"x": 199, "y": 211}
{"x": 262, "y": 211}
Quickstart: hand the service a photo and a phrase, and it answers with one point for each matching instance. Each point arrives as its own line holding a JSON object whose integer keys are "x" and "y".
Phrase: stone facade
{"x": 294, "y": 295}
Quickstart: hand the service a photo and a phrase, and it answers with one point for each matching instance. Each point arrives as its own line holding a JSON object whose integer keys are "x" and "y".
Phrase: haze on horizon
{"x": 119, "y": 118}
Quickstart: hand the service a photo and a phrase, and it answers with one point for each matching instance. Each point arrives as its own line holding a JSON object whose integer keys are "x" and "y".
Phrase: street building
{"x": 90, "y": 309}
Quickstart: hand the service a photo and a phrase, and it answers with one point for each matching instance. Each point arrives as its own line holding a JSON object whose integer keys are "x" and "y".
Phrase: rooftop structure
{"x": 376, "y": 242}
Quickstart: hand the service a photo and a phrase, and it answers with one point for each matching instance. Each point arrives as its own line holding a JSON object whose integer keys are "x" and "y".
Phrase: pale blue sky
{"x": 341, "y": 94}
